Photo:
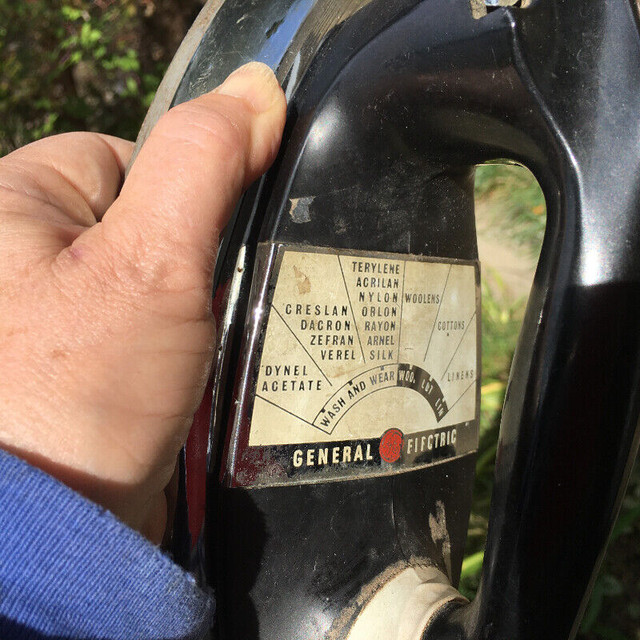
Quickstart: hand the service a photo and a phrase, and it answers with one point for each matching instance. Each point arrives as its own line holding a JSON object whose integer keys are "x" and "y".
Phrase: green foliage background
{"x": 94, "y": 65}
{"x": 80, "y": 64}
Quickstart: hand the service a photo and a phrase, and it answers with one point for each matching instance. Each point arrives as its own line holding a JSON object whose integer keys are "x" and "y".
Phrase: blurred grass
{"x": 515, "y": 196}
{"x": 83, "y": 64}
{"x": 517, "y": 208}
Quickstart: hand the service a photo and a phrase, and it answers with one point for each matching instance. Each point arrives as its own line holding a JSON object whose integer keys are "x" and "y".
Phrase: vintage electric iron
{"x": 334, "y": 453}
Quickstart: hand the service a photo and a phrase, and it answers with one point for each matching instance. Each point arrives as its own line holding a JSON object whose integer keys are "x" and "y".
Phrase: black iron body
{"x": 391, "y": 104}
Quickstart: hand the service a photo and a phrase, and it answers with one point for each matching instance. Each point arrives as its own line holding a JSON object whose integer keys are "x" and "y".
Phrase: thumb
{"x": 164, "y": 226}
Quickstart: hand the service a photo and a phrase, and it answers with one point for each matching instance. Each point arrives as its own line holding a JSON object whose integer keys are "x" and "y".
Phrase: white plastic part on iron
{"x": 403, "y": 607}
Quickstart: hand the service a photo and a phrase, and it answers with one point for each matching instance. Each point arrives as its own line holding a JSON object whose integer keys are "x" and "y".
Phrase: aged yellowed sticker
{"x": 357, "y": 346}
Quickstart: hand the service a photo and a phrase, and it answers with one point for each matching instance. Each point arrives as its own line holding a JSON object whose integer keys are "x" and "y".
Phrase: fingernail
{"x": 255, "y": 83}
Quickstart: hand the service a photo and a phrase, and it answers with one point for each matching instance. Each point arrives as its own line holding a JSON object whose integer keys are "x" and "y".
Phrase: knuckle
{"x": 213, "y": 126}
{"x": 136, "y": 276}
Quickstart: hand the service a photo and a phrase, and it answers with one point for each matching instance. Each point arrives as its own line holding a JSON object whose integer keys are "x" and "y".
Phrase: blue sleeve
{"x": 69, "y": 569}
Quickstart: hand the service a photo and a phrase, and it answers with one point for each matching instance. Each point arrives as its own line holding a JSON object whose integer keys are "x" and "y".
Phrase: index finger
{"x": 80, "y": 174}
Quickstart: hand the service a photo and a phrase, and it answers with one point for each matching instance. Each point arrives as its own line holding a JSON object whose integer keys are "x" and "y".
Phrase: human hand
{"x": 106, "y": 332}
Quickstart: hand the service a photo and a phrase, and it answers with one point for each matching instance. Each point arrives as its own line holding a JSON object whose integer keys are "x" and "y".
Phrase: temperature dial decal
{"x": 364, "y": 345}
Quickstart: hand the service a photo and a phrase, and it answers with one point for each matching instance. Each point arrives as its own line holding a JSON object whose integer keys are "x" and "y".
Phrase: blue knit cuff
{"x": 70, "y": 569}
